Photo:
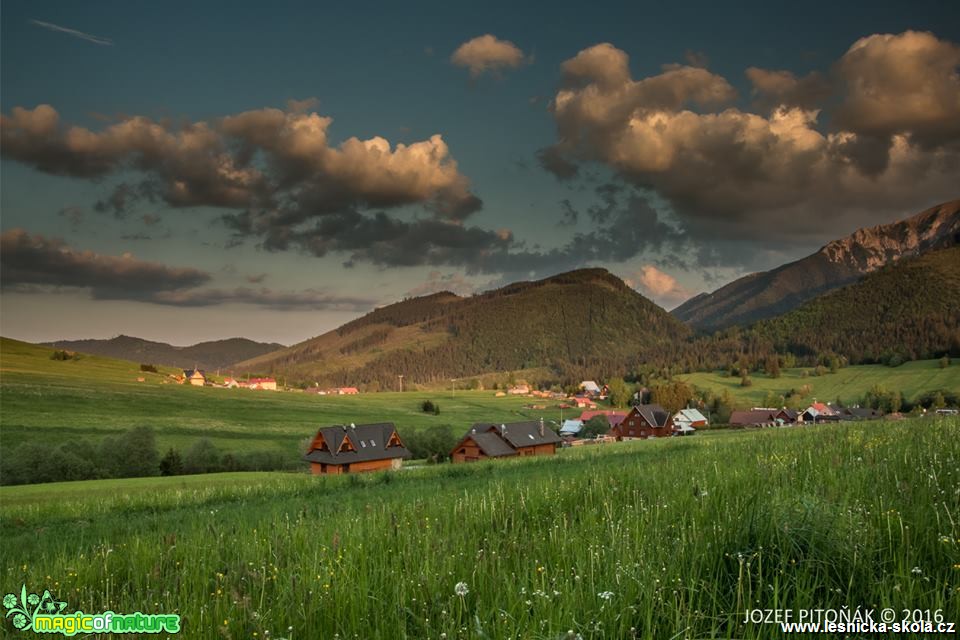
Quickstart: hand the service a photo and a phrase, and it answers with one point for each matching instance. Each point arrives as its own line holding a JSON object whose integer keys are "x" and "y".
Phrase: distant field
{"x": 848, "y": 384}
{"x": 94, "y": 397}
{"x": 672, "y": 538}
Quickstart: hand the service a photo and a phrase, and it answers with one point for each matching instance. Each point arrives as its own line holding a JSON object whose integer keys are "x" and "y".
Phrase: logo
{"x": 44, "y": 614}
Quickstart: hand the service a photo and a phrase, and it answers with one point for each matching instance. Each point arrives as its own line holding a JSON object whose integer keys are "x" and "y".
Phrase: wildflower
{"x": 916, "y": 571}
{"x": 461, "y": 589}
{"x": 605, "y": 595}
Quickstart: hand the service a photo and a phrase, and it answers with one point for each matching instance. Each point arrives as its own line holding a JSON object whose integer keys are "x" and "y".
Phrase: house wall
{"x": 370, "y": 465}
{"x": 317, "y": 468}
{"x": 467, "y": 452}
{"x": 538, "y": 450}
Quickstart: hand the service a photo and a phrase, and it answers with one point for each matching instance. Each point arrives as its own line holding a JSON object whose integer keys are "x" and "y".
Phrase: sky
{"x": 197, "y": 171}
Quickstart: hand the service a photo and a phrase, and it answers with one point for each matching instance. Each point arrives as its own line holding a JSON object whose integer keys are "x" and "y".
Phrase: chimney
{"x": 541, "y": 427}
{"x": 503, "y": 430}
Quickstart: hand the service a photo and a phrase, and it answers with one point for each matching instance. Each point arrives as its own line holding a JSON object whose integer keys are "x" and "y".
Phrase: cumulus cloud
{"x": 32, "y": 263}
{"x": 660, "y": 286}
{"x": 267, "y": 158}
{"x": 487, "y": 53}
{"x": 728, "y": 173}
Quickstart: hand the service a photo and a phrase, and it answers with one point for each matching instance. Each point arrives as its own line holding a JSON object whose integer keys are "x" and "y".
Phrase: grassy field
{"x": 95, "y": 397}
{"x": 849, "y": 384}
{"x": 655, "y": 539}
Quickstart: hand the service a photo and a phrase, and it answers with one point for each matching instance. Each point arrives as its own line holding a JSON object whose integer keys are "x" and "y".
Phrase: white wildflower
{"x": 461, "y": 589}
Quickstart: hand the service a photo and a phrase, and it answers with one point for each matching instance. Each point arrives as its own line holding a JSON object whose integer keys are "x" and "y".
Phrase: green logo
{"x": 44, "y": 614}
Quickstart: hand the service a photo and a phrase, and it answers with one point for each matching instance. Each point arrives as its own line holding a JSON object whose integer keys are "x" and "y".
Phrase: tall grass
{"x": 673, "y": 538}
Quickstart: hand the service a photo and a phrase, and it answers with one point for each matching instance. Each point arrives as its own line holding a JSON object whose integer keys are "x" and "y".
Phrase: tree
{"x": 171, "y": 464}
{"x": 431, "y": 443}
{"x": 202, "y": 457}
{"x": 619, "y": 392}
{"x": 672, "y": 396}
{"x": 944, "y": 362}
{"x": 595, "y": 426}
{"x": 772, "y": 367}
{"x": 745, "y": 381}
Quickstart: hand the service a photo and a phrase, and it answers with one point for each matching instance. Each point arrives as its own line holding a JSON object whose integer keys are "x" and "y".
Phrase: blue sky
{"x": 385, "y": 70}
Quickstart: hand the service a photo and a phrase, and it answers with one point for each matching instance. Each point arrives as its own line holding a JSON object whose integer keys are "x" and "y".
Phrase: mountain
{"x": 218, "y": 354}
{"x": 906, "y": 310}
{"x": 585, "y": 321}
{"x": 841, "y": 262}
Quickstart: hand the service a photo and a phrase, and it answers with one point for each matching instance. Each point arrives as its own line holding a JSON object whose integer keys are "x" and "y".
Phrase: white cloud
{"x": 486, "y": 53}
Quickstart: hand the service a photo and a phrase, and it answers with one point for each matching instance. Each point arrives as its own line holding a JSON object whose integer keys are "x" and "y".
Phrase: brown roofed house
{"x": 485, "y": 440}
{"x": 644, "y": 421}
{"x": 356, "y": 448}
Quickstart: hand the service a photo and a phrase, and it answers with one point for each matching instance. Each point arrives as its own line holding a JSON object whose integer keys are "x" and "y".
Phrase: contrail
{"x": 73, "y": 32}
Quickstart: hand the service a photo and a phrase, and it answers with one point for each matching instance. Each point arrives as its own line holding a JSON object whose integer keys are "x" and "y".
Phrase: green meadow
{"x": 911, "y": 379}
{"x": 93, "y": 397}
{"x": 663, "y": 539}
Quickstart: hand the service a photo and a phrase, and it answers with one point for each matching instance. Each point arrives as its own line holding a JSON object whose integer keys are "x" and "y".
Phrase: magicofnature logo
{"x": 44, "y": 614}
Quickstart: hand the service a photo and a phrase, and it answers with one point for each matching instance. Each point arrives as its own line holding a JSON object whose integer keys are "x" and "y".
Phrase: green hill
{"x": 906, "y": 311}
{"x": 585, "y": 322}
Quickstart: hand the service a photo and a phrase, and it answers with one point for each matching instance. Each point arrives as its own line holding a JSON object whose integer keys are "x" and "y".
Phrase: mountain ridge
{"x": 837, "y": 263}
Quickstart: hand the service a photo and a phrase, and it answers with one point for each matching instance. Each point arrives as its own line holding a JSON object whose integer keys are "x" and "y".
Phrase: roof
{"x": 763, "y": 416}
{"x": 368, "y": 440}
{"x": 521, "y": 434}
{"x": 571, "y": 426}
{"x": 654, "y": 414}
{"x": 690, "y": 415}
{"x": 590, "y": 385}
{"x": 861, "y": 412}
{"x": 823, "y": 409}
{"x": 259, "y": 380}
{"x": 613, "y": 417}
{"x": 190, "y": 372}
{"x": 684, "y": 428}
{"x": 491, "y": 444}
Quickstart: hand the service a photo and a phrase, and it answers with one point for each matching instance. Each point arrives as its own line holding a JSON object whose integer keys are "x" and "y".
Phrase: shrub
{"x": 149, "y": 368}
{"x": 171, "y": 464}
{"x": 428, "y": 406}
{"x": 61, "y": 354}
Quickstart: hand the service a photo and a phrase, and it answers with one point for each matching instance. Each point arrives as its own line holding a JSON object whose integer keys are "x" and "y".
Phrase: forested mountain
{"x": 905, "y": 311}
{"x": 585, "y": 320}
{"x": 217, "y": 354}
{"x": 841, "y": 262}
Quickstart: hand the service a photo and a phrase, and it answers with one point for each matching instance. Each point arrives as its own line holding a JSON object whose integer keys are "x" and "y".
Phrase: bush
{"x": 202, "y": 457}
{"x": 595, "y": 426}
{"x": 428, "y": 406}
{"x": 61, "y": 354}
{"x": 149, "y": 368}
{"x": 171, "y": 464}
{"x": 431, "y": 443}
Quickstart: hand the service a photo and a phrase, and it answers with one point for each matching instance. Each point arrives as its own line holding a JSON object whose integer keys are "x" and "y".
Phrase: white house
{"x": 589, "y": 386}
{"x": 687, "y": 421}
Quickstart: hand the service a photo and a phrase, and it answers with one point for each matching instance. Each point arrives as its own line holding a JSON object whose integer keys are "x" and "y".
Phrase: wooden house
{"x": 485, "y": 440}
{"x": 644, "y": 421}
{"x": 356, "y": 449}
{"x": 268, "y": 384}
{"x": 763, "y": 417}
{"x": 194, "y": 377}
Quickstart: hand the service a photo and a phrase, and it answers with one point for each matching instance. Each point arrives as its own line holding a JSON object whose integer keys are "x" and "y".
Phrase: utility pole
{"x": 453, "y": 388}
{"x": 401, "y": 382}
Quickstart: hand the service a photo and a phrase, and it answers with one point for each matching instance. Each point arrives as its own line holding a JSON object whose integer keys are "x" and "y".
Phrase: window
{"x": 363, "y": 444}
{"x": 372, "y": 443}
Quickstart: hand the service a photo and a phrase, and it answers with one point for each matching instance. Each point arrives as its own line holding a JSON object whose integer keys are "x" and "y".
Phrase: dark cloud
{"x": 264, "y": 297}
{"x": 772, "y": 89}
{"x": 35, "y": 260}
{"x": 74, "y": 215}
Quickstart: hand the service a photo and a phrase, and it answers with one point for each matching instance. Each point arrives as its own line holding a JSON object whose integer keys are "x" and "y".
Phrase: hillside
{"x": 217, "y": 354}
{"x": 841, "y": 262}
{"x": 582, "y": 321}
{"x": 909, "y": 309}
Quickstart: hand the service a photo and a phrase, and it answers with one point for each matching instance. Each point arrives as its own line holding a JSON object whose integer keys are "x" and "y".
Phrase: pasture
{"x": 849, "y": 383}
{"x": 650, "y": 539}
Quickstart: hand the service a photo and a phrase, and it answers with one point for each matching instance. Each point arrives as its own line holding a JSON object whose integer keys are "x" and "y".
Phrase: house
{"x": 859, "y": 413}
{"x": 613, "y": 417}
{"x": 590, "y": 387}
{"x": 485, "y": 440}
{"x": 763, "y": 417}
{"x": 819, "y": 412}
{"x": 230, "y": 383}
{"x": 267, "y": 384}
{"x": 644, "y": 421}
{"x": 571, "y": 428}
{"x": 689, "y": 418}
{"x": 584, "y": 403}
{"x": 519, "y": 390}
{"x": 347, "y": 391}
{"x": 194, "y": 377}
{"x": 356, "y": 449}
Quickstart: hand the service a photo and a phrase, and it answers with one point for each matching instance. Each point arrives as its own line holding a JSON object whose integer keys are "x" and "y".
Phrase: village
{"x": 354, "y": 448}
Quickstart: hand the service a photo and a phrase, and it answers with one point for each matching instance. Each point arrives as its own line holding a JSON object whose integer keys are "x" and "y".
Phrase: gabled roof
{"x": 368, "y": 440}
{"x": 190, "y": 372}
{"x": 691, "y": 415}
{"x": 590, "y": 385}
{"x": 491, "y": 444}
{"x": 521, "y": 434}
{"x": 654, "y": 414}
